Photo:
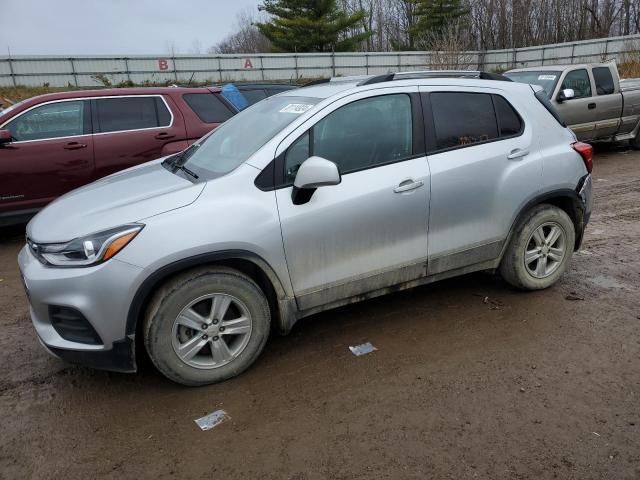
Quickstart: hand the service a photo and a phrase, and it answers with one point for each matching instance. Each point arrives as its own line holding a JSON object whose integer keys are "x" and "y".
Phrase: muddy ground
{"x": 527, "y": 385}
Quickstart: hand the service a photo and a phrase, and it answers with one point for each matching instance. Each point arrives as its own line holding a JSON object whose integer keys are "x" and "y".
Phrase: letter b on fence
{"x": 163, "y": 64}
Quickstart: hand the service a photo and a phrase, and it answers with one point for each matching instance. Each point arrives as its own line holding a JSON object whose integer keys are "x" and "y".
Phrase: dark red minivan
{"x": 54, "y": 143}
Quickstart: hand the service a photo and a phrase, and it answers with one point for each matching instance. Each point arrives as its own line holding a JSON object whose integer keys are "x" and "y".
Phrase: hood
{"x": 124, "y": 197}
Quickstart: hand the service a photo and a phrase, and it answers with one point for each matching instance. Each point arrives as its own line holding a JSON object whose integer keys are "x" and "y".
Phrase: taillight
{"x": 586, "y": 152}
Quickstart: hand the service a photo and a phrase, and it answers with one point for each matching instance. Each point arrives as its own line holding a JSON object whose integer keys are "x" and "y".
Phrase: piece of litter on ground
{"x": 362, "y": 349}
{"x": 212, "y": 420}
{"x": 584, "y": 252}
{"x": 596, "y": 433}
{"x": 573, "y": 297}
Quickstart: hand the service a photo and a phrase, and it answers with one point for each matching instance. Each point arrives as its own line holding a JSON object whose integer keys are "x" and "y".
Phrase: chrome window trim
{"x": 90, "y": 134}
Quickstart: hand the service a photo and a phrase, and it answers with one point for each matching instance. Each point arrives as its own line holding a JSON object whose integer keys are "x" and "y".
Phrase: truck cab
{"x": 589, "y": 98}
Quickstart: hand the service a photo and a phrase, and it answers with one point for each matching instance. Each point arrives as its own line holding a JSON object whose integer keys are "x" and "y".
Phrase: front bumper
{"x": 102, "y": 294}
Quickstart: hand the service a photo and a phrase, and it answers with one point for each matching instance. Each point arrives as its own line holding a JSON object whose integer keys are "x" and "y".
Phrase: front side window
{"x": 462, "y": 119}
{"x": 54, "y": 120}
{"x": 131, "y": 113}
{"x": 578, "y": 80}
{"x": 208, "y": 107}
{"x": 604, "y": 80}
{"x": 360, "y": 135}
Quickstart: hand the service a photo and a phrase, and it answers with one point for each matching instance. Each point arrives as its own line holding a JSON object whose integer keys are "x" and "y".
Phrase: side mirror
{"x": 313, "y": 173}
{"x": 5, "y": 137}
{"x": 566, "y": 94}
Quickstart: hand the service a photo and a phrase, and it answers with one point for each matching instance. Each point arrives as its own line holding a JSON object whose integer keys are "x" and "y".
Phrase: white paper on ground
{"x": 212, "y": 420}
{"x": 362, "y": 349}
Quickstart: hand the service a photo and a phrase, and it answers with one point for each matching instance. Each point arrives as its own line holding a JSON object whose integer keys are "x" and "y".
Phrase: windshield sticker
{"x": 546, "y": 77}
{"x": 296, "y": 108}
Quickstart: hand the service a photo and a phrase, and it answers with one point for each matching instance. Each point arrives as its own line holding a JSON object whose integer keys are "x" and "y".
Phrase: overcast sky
{"x": 86, "y": 27}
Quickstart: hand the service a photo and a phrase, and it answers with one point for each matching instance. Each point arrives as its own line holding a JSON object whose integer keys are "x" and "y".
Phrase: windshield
{"x": 545, "y": 78}
{"x": 241, "y": 136}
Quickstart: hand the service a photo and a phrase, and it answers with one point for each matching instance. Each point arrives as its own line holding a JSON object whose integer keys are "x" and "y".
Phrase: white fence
{"x": 88, "y": 71}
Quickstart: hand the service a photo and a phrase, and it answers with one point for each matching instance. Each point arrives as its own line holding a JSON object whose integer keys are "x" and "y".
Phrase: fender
{"x": 286, "y": 305}
{"x": 576, "y": 215}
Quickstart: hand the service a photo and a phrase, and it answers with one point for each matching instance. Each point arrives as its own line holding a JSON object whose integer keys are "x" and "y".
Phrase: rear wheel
{"x": 540, "y": 249}
{"x": 206, "y": 326}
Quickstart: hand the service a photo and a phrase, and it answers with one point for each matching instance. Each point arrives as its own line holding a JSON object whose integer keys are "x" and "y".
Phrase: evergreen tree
{"x": 311, "y": 26}
{"x": 433, "y": 16}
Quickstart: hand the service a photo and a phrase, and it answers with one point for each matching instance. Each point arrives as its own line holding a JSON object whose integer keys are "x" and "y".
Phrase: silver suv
{"x": 306, "y": 201}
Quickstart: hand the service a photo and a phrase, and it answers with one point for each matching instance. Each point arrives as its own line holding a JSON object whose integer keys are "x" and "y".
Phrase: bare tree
{"x": 245, "y": 39}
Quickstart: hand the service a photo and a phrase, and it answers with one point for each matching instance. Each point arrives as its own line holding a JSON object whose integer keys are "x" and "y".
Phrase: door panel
{"x": 38, "y": 167}
{"x": 132, "y": 130}
{"x": 579, "y": 113}
{"x": 357, "y": 236}
{"x": 475, "y": 188}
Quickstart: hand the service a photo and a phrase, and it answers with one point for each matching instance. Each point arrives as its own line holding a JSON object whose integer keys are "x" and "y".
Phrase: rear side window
{"x": 462, "y": 119}
{"x": 208, "y": 107}
{"x": 604, "y": 80}
{"x": 578, "y": 80}
{"x": 54, "y": 120}
{"x": 508, "y": 120}
{"x": 253, "y": 96}
{"x": 131, "y": 113}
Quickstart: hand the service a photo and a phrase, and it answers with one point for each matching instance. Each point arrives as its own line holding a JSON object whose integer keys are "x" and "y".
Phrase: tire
{"x": 180, "y": 310}
{"x": 546, "y": 265}
{"x": 635, "y": 142}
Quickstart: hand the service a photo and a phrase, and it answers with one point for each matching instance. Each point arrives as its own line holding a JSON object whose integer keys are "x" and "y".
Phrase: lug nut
{"x": 215, "y": 339}
{"x": 204, "y": 326}
{"x": 215, "y": 322}
{"x": 205, "y": 336}
{"x": 222, "y": 329}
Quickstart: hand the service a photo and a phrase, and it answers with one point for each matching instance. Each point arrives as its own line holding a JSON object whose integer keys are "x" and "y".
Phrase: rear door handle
{"x": 591, "y": 106}
{"x": 74, "y": 146}
{"x": 517, "y": 153}
{"x": 407, "y": 186}
{"x": 164, "y": 136}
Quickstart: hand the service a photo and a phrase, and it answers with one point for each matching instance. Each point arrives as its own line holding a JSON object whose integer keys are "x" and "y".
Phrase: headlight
{"x": 86, "y": 251}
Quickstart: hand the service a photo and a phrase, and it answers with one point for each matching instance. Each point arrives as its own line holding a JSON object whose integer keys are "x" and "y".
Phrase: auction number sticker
{"x": 296, "y": 108}
{"x": 546, "y": 77}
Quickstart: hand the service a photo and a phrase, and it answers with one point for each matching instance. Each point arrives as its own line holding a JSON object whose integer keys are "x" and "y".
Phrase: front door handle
{"x": 74, "y": 146}
{"x": 591, "y": 106}
{"x": 407, "y": 185}
{"x": 164, "y": 136}
{"x": 517, "y": 153}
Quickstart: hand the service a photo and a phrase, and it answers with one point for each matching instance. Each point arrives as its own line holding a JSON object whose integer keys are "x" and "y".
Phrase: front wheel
{"x": 540, "y": 249}
{"x": 206, "y": 326}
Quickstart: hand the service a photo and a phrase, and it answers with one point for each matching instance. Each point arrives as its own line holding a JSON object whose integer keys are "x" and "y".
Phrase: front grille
{"x": 72, "y": 325}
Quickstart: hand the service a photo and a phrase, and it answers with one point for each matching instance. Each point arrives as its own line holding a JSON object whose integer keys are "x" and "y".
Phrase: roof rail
{"x": 434, "y": 74}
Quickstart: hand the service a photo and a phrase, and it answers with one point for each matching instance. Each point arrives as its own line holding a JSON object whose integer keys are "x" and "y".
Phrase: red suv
{"x": 54, "y": 143}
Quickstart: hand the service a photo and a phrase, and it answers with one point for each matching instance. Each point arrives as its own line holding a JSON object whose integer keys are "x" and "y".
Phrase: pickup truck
{"x": 590, "y": 98}
{"x": 54, "y": 143}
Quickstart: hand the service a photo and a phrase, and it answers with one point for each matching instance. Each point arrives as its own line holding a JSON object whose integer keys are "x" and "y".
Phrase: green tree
{"x": 433, "y": 16}
{"x": 311, "y": 26}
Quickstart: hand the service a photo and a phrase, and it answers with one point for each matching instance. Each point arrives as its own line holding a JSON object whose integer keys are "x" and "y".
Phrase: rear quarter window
{"x": 604, "y": 80}
{"x": 208, "y": 107}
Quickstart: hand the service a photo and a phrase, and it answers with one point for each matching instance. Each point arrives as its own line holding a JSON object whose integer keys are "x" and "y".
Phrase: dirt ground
{"x": 526, "y": 385}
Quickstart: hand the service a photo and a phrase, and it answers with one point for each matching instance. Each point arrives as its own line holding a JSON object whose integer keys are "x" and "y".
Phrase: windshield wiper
{"x": 191, "y": 173}
{"x": 173, "y": 163}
